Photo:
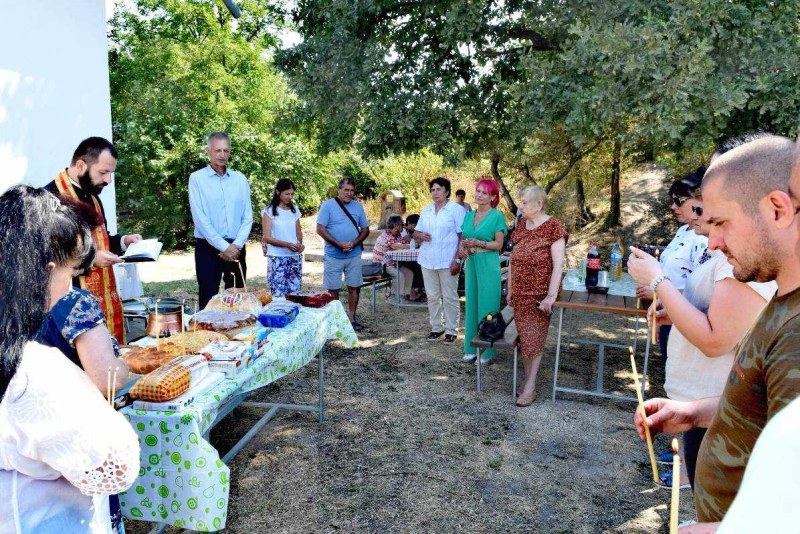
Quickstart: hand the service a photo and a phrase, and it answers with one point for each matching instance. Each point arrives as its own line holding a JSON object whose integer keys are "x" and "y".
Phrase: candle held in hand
{"x": 676, "y": 488}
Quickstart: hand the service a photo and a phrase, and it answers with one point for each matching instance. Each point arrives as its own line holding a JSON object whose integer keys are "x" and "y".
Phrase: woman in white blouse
{"x": 687, "y": 250}
{"x": 438, "y": 234}
{"x": 283, "y": 240}
{"x": 63, "y": 449}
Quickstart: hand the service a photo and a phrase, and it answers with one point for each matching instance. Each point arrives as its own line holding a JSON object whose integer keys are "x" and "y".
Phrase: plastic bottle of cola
{"x": 593, "y": 266}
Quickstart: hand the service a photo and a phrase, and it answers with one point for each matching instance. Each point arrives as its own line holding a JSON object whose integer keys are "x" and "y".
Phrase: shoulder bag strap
{"x": 349, "y": 216}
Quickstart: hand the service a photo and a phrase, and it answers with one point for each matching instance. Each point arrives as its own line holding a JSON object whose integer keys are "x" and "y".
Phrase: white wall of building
{"x": 54, "y": 88}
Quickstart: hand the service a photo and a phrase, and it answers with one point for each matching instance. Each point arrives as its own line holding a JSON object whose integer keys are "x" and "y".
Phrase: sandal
{"x": 664, "y": 457}
{"x": 666, "y": 481}
{"x": 526, "y": 400}
{"x": 358, "y": 327}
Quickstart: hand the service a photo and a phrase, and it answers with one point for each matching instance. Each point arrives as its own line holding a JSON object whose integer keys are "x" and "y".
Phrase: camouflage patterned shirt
{"x": 765, "y": 377}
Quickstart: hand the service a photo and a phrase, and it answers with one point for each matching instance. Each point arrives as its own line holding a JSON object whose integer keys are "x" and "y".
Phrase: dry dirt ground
{"x": 408, "y": 445}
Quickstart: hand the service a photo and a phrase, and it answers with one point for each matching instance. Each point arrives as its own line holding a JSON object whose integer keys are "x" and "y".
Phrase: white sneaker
{"x": 469, "y": 357}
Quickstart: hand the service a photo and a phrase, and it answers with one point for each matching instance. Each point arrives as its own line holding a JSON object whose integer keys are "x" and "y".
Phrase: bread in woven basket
{"x": 142, "y": 360}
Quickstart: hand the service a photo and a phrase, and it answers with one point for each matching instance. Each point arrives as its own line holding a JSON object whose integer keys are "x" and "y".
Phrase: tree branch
{"x": 573, "y": 159}
{"x": 499, "y": 53}
{"x": 538, "y": 41}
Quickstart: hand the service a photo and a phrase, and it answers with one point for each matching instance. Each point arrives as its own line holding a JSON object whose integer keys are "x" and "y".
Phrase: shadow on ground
{"x": 409, "y": 446}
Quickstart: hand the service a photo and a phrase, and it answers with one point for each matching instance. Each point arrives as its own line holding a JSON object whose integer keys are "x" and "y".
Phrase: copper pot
{"x": 163, "y": 324}
{"x": 168, "y": 319}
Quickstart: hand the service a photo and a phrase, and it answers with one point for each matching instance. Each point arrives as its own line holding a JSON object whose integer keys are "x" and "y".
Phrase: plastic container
{"x": 593, "y": 266}
{"x": 278, "y": 315}
{"x": 615, "y": 260}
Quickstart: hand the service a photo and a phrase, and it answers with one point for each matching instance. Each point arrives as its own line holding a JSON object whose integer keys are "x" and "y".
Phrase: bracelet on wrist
{"x": 656, "y": 281}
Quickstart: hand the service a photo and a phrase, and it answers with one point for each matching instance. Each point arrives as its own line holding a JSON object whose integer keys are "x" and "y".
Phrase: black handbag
{"x": 492, "y": 327}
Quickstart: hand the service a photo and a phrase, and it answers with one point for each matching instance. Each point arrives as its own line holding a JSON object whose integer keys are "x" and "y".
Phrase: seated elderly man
{"x": 407, "y": 273}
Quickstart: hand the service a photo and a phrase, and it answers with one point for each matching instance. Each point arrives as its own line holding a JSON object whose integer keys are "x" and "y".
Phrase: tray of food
{"x": 194, "y": 340}
{"x": 223, "y": 321}
{"x": 142, "y": 360}
{"x": 310, "y": 299}
{"x": 262, "y": 294}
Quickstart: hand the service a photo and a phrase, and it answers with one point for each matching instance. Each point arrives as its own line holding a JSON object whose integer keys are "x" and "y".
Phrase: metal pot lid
{"x": 145, "y": 305}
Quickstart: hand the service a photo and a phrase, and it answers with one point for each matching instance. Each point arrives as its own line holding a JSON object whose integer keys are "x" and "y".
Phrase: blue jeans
{"x": 691, "y": 446}
{"x": 663, "y": 337}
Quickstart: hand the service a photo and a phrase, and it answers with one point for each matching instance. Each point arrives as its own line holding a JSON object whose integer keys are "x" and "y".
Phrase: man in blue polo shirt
{"x": 342, "y": 223}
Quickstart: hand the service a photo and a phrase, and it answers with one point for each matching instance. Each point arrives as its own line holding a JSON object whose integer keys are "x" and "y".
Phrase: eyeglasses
{"x": 698, "y": 210}
{"x": 679, "y": 200}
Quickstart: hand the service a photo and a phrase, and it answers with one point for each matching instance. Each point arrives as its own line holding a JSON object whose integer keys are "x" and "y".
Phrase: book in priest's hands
{"x": 144, "y": 250}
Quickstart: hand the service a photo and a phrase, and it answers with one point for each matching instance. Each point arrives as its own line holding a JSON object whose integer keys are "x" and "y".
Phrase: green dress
{"x": 481, "y": 275}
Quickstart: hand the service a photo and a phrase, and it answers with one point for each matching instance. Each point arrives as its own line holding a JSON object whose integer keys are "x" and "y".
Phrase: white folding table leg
{"x": 321, "y": 382}
{"x": 558, "y": 351}
{"x": 478, "y": 363}
{"x": 570, "y": 324}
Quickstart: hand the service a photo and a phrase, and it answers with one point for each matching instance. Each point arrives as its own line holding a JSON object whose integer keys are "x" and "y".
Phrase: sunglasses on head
{"x": 679, "y": 200}
{"x": 698, "y": 210}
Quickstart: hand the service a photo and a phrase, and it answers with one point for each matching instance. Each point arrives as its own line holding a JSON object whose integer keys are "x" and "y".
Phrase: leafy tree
{"x": 180, "y": 70}
{"x": 488, "y": 78}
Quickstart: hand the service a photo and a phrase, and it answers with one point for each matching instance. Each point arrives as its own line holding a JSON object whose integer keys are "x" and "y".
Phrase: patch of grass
{"x": 495, "y": 462}
{"x": 175, "y": 288}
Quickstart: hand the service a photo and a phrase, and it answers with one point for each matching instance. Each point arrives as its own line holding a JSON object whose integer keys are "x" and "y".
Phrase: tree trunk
{"x": 526, "y": 172}
{"x": 585, "y": 215}
{"x": 613, "y": 218}
{"x": 503, "y": 189}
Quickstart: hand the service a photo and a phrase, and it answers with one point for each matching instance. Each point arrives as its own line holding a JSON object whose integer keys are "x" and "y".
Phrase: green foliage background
{"x": 394, "y": 93}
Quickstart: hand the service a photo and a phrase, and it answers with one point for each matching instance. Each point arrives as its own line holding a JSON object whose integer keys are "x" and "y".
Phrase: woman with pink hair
{"x": 482, "y": 232}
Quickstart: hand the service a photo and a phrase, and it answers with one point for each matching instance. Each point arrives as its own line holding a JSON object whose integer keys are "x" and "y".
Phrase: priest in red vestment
{"x": 92, "y": 168}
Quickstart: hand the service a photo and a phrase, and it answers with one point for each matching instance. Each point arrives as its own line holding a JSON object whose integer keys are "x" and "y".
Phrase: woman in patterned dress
{"x": 283, "y": 240}
{"x": 534, "y": 278}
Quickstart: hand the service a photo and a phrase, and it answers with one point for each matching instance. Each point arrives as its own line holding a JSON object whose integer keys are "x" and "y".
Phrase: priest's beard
{"x": 85, "y": 181}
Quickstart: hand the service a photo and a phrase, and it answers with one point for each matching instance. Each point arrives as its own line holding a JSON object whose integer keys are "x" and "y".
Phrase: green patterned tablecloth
{"x": 182, "y": 480}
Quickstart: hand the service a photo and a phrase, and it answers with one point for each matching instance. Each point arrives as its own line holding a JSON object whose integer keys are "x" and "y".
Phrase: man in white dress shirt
{"x": 222, "y": 212}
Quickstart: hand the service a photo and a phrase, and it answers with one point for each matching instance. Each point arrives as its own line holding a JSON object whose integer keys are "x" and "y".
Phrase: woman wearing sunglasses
{"x": 687, "y": 250}
{"x": 711, "y": 315}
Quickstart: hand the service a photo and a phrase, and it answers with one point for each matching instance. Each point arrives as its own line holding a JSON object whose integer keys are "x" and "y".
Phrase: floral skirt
{"x": 284, "y": 274}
